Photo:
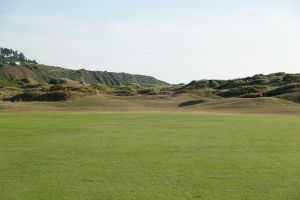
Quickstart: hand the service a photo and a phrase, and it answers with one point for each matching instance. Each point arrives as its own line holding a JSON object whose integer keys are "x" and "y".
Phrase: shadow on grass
{"x": 193, "y": 102}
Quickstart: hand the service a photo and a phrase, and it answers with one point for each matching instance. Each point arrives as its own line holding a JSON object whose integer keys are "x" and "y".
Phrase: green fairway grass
{"x": 78, "y": 156}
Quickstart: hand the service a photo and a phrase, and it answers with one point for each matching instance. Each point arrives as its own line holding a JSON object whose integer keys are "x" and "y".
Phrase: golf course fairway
{"x": 76, "y": 156}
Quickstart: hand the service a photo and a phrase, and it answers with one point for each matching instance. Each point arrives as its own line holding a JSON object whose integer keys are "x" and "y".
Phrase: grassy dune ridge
{"x": 181, "y": 103}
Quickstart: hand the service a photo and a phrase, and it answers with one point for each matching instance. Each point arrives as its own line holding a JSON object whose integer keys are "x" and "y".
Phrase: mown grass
{"x": 148, "y": 156}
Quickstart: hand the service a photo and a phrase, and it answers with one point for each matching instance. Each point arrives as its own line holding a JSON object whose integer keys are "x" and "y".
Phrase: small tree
{"x": 6, "y": 52}
{"x": 22, "y": 57}
{"x": 16, "y": 55}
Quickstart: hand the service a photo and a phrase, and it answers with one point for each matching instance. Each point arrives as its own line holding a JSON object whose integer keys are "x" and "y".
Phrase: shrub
{"x": 148, "y": 91}
{"x": 57, "y": 81}
{"x": 48, "y": 96}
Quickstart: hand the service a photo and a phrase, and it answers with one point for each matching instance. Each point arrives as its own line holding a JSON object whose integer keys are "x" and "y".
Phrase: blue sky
{"x": 176, "y": 41}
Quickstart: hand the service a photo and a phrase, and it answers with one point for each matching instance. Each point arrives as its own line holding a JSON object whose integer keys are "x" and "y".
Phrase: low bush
{"x": 57, "y": 81}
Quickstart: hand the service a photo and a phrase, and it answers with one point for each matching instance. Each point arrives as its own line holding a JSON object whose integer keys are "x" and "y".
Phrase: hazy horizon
{"x": 174, "y": 41}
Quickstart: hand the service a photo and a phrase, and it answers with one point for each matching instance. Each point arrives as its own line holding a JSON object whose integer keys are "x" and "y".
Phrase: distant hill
{"x": 15, "y": 66}
{"x": 273, "y": 80}
{"x": 282, "y": 85}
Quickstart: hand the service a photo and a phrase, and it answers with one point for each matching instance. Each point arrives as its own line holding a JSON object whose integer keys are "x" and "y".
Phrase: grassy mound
{"x": 204, "y": 93}
{"x": 9, "y": 92}
{"x": 52, "y": 93}
{"x": 283, "y": 90}
{"x": 203, "y": 84}
{"x": 125, "y": 91}
{"x": 242, "y": 91}
{"x": 294, "y": 96}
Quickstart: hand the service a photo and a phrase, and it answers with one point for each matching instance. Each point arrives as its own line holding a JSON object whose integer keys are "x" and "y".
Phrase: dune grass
{"x": 148, "y": 156}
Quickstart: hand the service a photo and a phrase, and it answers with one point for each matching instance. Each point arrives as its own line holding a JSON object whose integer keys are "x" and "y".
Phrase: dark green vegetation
{"x": 148, "y": 156}
{"x": 22, "y": 79}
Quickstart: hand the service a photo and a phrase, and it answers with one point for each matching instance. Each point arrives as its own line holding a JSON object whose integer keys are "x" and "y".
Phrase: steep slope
{"x": 16, "y": 67}
{"x": 43, "y": 74}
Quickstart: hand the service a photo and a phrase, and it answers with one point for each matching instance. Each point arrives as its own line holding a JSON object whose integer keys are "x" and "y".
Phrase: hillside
{"x": 15, "y": 66}
{"x": 281, "y": 85}
{"x": 22, "y": 79}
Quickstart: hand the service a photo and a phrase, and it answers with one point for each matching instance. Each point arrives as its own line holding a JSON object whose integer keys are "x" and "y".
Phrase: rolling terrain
{"x": 78, "y": 135}
{"x": 22, "y": 79}
{"x": 179, "y": 103}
